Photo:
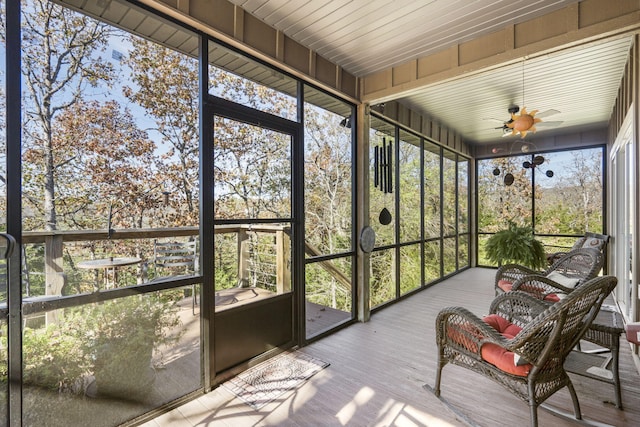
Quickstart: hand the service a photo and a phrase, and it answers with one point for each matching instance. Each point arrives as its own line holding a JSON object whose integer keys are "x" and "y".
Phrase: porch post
{"x": 362, "y": 202}
{"x": 54, "y": 277}
{"x": 243, "y": 258}
{"x": 283, "y": 260}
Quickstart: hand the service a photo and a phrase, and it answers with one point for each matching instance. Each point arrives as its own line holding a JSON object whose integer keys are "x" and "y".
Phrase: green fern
{"x": 516, "y": 244}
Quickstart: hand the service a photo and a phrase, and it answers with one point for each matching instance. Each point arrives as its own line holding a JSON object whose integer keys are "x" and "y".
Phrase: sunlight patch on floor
{"x": 350, "y": 409}
{"x": 399, "y": 414}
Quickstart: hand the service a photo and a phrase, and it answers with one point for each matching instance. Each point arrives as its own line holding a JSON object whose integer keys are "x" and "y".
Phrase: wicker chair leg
{"x": 574, "y": 398}
{"x": 436, "y": 389}
{"x": 533, "y": 408}
{"x": 533, "y": 405}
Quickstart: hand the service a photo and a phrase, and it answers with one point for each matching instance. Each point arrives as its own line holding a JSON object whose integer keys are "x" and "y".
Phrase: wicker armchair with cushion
{"x": 589, "y": 240}
{"x": 571, "y": 270}
{"x": 523, "y": 343}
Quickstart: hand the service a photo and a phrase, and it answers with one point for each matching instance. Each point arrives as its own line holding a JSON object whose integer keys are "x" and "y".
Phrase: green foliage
{"x": 224, "y": 279}
{"x": 382, "y": 282}
{"x": 569, "y": 203}
{"x": 114, "y": 339}
{"x": 322, "y": 286}
{"x": 122, "y": 335}
{"x": 142, "y": 319}
{"x": 515, "y": 244}
{"x": 410, "y": 268}
{"x": 451, "y": 254}
{"x": 52, "y": 359}
{"x": 35, "y": 263}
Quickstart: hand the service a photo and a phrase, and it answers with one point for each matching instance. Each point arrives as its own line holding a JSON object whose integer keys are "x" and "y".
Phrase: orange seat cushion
{"x": 552, "y": 298}
{"x": 466, "y": 335}
{"x": 505, "y": 285}
{"x": 502, "y": 325}
{"x": 503, "y": 360}
{"x": 499, "y": 357}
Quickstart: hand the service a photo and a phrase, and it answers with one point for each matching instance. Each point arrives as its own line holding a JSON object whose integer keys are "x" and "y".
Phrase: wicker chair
{"x": 541, "y": 335}
{"x": 571, "y": 270}
{"x": 589, "y": 240}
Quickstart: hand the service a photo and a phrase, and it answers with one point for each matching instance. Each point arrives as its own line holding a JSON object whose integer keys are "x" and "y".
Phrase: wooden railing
{"x": 279, "y": 254}
{"x": 54, "y": 242}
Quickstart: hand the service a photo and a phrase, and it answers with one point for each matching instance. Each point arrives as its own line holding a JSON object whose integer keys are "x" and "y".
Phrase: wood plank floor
{"x": 378, "y": 370}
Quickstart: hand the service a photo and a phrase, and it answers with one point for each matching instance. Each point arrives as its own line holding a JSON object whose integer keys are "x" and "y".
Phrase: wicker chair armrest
{"x": 559, "y": 253}
{"x": 539, "y": 286}
{"x": 537, "y": 334}
{"x": 584, "y": 263}
{"x": 518, "y": 307}
{"x": 513, "y": 272}
{"x": 458, "y": 327}
{"x": 555, "y": 256}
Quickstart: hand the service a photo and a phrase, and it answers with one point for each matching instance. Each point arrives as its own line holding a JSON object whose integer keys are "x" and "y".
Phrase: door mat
{"x": 268, "y": 380}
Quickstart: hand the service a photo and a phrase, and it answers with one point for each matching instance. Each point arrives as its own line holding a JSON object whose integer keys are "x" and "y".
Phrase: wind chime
{"x": 536, "y": 163}
{"x": 383, "y": 175}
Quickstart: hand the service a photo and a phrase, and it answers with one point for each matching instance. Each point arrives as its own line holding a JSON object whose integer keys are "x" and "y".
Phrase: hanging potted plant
{"x": 516, "y": 245}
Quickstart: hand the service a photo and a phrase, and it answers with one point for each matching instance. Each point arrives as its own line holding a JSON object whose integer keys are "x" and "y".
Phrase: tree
{"x": 61, "y": 59}
{"x": 327, "y": 181}
{"x": 572, "y": 201}
{"x": 499, "y": 203}
{"x": 3, "y": 156}
{"x": 449, "y": 192}
{"x": 166, "y": 86}
{"x": 328, "y": 209}
{"x": 252, "y": 170}
{"x": 432, "y": 195}
{"x": 409, "y": 184}
{"x": 586, "y": 177}
{"x": 111, "y": 154}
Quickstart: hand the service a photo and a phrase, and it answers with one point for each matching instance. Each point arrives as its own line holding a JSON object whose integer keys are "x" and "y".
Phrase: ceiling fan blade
{"x": 548, "y": 124}
{"x": 494, "y": 120}
{"x": 547, "y": 113}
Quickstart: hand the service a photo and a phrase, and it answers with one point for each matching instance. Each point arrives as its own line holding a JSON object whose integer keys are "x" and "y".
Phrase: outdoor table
{"x": 605, "y": 332}
{"x": 109, "y": 265}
